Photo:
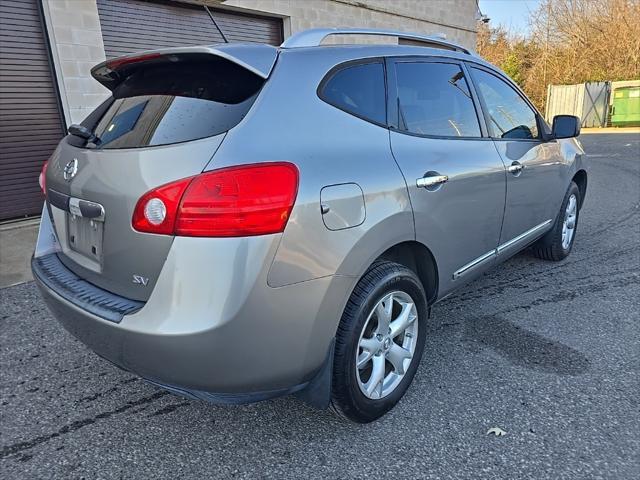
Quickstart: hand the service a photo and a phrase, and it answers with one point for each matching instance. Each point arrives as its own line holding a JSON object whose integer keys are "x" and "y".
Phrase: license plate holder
{"x": 85, "y": 236}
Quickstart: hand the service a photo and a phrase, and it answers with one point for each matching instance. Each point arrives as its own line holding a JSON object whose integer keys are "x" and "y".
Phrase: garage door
{"x": 133, "y": 25}
{"x": 30, "y": 121}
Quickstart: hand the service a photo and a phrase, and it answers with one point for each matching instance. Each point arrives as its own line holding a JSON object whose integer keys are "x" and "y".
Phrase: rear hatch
{"x": 168, "y": 114}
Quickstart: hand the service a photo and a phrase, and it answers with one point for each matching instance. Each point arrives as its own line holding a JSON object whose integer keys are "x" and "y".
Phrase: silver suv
{"x": 239, "y": 222}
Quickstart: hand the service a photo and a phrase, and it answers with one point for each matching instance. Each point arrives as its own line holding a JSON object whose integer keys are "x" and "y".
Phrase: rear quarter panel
{"x": 289, "y": 122}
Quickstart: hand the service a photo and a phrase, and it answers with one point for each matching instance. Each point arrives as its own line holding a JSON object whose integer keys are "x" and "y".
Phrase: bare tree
{"x": 571, "y": 41}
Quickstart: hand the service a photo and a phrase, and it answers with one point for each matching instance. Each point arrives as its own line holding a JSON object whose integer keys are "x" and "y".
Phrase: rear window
{"x": 359, "y": 90}
{"x": 167, "y": 103}
{"x": 434, "y": 99}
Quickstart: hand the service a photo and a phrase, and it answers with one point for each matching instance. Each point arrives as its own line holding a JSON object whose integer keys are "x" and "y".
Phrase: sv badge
{"x": 140, "y": 280}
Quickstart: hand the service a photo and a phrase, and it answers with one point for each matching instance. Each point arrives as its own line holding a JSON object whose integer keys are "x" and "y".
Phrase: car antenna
{"x": 216, "y": 24}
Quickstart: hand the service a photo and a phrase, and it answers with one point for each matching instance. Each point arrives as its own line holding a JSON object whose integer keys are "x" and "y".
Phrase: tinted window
{"x": 163, "y": 119}
{"x": 434, "y": 99}
{"x": 509, "y": 115}
{"x": 173, "y": 102}
{"x": 358, "y": 89}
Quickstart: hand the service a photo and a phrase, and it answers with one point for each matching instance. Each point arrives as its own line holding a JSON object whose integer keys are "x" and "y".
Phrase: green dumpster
{"x": 625, "y": 111}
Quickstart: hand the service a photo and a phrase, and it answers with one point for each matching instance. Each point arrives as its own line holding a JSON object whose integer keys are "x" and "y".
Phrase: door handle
{"x": 431, "y": 181}
{"x": 515, "y": 168}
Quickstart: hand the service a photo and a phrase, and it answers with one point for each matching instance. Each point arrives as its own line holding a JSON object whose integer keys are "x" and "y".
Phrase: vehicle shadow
{"x": 458, "y": 317}
{"x": 523, "y": 347}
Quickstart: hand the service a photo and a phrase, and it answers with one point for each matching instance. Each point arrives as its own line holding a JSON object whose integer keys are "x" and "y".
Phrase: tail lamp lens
{"x": 147, "y": 214}
{"x": 155, "y": 211}
{"x": 231, "y": 202}
{"x": 42, "y": 179}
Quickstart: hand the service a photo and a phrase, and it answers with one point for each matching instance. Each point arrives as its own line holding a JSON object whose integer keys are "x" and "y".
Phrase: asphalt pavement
{"x": 548, "y": 352}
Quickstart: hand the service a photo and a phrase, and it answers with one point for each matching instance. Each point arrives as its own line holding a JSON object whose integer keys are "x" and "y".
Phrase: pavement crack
{"x": 516, "y": 279}
{"x": 95, "y": 396}
{"x": 9, "y": 450}
{"x": 540, "y": 281}
{"x": 571, "y": 294}
{"x": 169, "y": 408}
{"x": 620, "y": 221}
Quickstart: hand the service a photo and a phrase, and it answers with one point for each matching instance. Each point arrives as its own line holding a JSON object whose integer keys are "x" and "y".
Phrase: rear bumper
{"x": 50, "y": 271}
{"x": 212, "y": 327}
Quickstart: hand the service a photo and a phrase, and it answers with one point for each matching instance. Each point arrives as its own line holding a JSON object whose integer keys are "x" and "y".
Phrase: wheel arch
{"x": 416, "y": 256}
{"x": 410, "y": 253}
{"x": 580, "y": 179}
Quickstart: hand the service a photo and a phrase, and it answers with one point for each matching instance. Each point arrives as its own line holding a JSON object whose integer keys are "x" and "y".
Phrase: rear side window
{"x": 166, "y": 103}
{"x": 434, "y": 100}
{"x": 509, "y": 115}
{"x": 358, "y": 89}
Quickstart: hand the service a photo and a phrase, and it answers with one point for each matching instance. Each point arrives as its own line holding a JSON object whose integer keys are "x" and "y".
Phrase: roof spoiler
{"x": 256, "y": 58}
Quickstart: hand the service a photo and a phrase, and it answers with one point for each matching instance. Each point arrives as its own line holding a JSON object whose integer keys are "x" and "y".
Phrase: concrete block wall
{"x": 76, "y": 38}
{"x": 76, "y": 43}
{"x": 455, "y": 18}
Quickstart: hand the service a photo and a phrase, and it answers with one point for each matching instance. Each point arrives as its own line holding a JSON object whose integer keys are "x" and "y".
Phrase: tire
{"x": 394, "y": 289}
{"x": 554, "y": 245}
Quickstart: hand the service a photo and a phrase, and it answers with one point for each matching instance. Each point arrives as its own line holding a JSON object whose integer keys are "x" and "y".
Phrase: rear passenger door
{"x": 455, "y": 177}
{"x": 535, "y": 168}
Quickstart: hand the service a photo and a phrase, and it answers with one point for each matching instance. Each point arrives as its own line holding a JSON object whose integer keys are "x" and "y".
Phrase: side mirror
{"x": 565, "y": 126}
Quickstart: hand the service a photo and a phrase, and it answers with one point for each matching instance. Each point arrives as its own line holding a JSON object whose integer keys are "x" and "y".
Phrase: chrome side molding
{"x": 474, "y": 263}
{"x": 522, "y": 236}
{"x": 500, "y": 249}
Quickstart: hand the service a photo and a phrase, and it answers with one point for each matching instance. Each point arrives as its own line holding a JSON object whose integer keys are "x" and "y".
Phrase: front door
{"x": 455, "y": 177}
{"x": 535, "y": 176}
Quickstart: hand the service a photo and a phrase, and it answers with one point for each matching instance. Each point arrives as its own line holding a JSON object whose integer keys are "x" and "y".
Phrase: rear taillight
{"x": 231, "y": 202}
{"x": 148, "y": 215}
{"x": 42, "y": 179}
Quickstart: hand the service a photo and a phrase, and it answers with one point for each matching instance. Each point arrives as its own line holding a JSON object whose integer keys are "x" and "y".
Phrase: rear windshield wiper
{"x": 83, "y": 132}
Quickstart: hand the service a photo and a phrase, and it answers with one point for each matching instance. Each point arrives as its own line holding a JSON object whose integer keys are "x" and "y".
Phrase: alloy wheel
{"x": 569, "y": 223}
{"x": 387, "y": 345}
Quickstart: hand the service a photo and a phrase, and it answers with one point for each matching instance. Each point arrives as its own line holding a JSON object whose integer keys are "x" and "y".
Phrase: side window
{"x": 359, "y": 90}
{"x": 434, "y": 99}
{"x": 509, "y": 115}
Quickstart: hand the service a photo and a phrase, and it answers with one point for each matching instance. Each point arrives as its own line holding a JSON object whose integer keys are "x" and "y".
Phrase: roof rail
{"x": 314, "y": 37}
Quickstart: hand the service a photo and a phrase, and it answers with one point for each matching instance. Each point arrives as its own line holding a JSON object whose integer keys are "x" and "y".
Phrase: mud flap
{"x": 318, "y": 392}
